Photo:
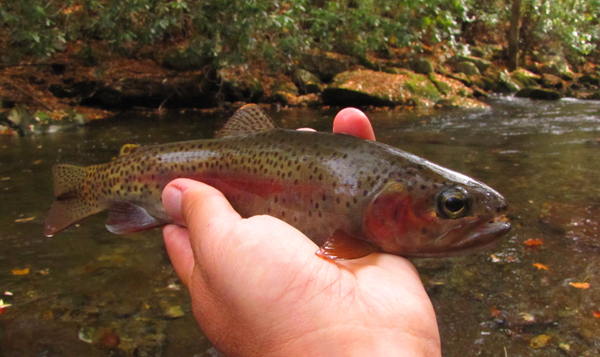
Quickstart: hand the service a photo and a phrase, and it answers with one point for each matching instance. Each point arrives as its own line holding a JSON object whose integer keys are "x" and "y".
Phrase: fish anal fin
{"x": 65, "y": 213}
{"x": 341, "y": 246}
{"x": 128, "y": 148}
{"x": 248, "y": 119}
{"x": 125, "y": 218}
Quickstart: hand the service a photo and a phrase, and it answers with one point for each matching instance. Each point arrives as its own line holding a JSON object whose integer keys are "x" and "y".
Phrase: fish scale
{"x": 350, "y": 196}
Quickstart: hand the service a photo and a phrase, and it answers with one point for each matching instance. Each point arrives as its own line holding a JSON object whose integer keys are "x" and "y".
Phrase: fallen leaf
{"x": 36, "y": 162}
{"x": 495, "y": 312}
{"x": 539, "y": 341}
{"x": 540, "y": 266}
{"x": 580, "y": 285}
{"x": 597, "y": 314}
{"x": 564, "y": 346}
{"x": 20, "y": 271}
{"x": 3, "y": 305}
{"x": 19, "y": 220}
{"x": 533, "y": 242}
{"x": 527, "y": 316}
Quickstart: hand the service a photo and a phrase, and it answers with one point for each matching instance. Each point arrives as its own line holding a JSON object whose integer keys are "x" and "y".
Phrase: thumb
{"x": 198, "y": 207}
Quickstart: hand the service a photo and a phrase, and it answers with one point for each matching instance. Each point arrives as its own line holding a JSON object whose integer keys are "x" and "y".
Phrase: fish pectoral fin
{"x": 125, "y": 218}
{"x": 341, "y": 246}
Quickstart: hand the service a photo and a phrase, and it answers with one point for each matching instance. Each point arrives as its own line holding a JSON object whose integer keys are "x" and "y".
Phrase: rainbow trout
{"x": 351, "y": 196}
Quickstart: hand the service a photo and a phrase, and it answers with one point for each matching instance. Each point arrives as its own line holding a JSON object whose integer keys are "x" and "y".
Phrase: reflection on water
{"x": 87, "y": 285}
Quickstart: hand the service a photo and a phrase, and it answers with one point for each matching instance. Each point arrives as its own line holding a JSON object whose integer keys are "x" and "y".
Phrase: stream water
{"x": 86, "y": 292}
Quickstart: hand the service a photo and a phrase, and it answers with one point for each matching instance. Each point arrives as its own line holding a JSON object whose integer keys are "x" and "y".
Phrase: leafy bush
{"x": 236, "y": 31}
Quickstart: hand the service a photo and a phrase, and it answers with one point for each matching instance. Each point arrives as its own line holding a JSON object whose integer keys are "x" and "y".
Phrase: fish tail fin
{"x": 69, "y": 207}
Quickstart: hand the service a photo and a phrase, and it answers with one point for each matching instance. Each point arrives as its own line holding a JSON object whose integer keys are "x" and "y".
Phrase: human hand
{"x": 258, "y": 289}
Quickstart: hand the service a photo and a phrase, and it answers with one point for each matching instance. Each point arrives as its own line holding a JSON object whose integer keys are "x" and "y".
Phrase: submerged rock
{"x": 538, "y": 94}
{"x": 462, "y": 103}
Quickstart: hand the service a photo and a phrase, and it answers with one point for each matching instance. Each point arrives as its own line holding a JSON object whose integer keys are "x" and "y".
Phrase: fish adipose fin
{"x": 248, "y": 119}
{"x": 128, "y": 149}
{"x": 342, "y": 246}
{"x": 68, "y": 208}
{"x": 125, "y": 218}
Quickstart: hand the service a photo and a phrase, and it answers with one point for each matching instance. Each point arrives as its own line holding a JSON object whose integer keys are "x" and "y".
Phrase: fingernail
{"x": 171, "y": 200}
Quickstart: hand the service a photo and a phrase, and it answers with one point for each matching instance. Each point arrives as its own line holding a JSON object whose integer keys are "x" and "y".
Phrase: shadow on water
{"x": 89, "y": 285}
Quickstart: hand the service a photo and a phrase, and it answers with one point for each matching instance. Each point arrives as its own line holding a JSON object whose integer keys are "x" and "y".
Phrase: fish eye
{"x": 453, "y": 203}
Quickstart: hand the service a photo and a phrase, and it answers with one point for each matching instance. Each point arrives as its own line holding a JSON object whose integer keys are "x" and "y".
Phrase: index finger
{"x": 353, "y": 121}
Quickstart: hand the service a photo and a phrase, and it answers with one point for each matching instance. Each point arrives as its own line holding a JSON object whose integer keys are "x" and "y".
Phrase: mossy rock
{"x": 462, "y": 103}
{"x": 307, "y": 82}
{"x": 240, "y": 85}
{"x": 284, "y": 85}
{"x": 538, "y": 94}
{"x": 505, "y": 84}
{"x": 421, "y": 65}
{"x": 482, "y": 64}
{"x": 449, "y": 86}
{"x": 366, "y": 87}
{"x": 420, "y": 85}
{"x": 467, "y": 68}
{"x": 589, "y": 80}
{"x": 325, "y": 65}
{"x": 186, "y": 60}
{"x": 552, "y": 81}
{"x": 556, "y": 65}
{"x": 526, "y": 78}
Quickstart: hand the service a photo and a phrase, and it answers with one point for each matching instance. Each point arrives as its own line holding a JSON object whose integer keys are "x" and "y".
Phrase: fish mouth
{"x": 482, "y": 237}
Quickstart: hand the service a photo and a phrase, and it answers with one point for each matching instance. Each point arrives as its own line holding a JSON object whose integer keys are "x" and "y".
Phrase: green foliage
{"x": 571, "y": 23}
{"x": 236, "y": 31}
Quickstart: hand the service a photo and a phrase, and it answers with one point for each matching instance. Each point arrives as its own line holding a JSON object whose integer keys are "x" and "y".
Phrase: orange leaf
{"x": 495, "y": 312}
{"x": 540, "y": 266}
{"x": 597, "y": 314}
{"x": 20, "y": 271}
{"x": 580, "y": 285}
{"x": 533, "y": 242}
{"x": 539, "y": 341}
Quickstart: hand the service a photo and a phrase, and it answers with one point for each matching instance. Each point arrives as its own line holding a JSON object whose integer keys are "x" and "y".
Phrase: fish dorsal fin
{"x": 128, "y": 149}
{"x": 248, "y": 119}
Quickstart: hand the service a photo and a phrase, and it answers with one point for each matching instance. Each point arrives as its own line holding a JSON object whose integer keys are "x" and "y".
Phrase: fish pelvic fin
{"x": 69, "y": 208}
{"x": 248, "y": 119}
{"x": 125, "y": 218}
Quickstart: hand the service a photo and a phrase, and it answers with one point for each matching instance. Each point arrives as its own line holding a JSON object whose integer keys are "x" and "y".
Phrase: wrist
{"x": 360, "y": 340}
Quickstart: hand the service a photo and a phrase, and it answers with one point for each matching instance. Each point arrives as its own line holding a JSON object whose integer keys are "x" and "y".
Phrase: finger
{"x": 352, "y": 121}
{"x": 180, "y": 252}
